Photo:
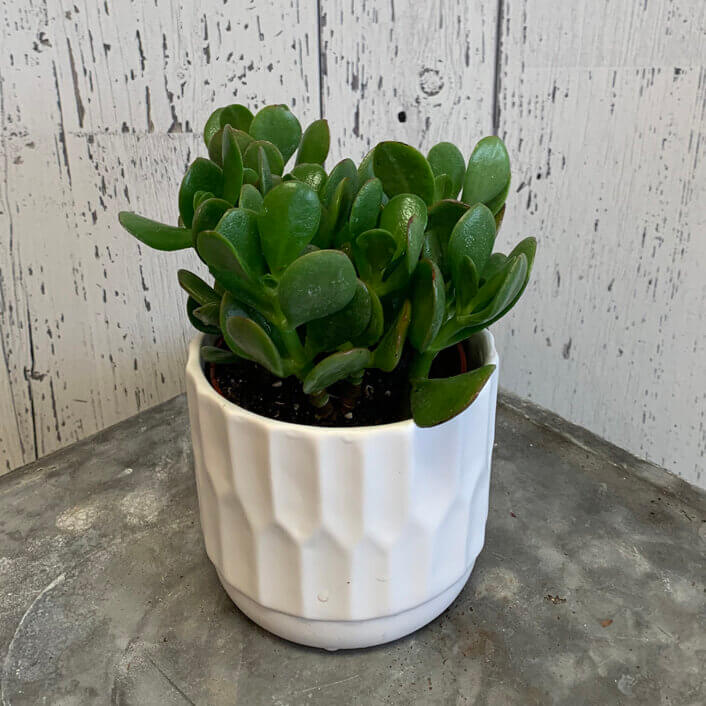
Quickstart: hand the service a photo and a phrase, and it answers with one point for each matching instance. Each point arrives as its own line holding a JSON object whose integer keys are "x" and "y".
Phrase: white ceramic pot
{"x": 341, "y": 537}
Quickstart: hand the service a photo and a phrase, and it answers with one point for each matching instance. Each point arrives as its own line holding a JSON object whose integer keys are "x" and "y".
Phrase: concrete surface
{"x": 590, "y": 589}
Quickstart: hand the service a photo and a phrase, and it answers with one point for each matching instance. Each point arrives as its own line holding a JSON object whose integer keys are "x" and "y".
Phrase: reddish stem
{"x": 462, "y": 356}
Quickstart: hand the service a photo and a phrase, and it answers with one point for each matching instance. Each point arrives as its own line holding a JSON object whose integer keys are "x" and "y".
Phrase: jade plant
{"x": 324, "y": 274}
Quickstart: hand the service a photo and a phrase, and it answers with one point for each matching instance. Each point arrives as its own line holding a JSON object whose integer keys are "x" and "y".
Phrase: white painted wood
{"x": 603, "y": 113}
{"x": 99, "y": 101}
{"x": 434, "y": 62}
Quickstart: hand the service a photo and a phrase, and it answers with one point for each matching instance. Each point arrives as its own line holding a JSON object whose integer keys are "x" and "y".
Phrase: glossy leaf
{"x": 191, "y": 306}
{"x": 345, "y": 168}
{"x": 365, "y": 210}
{"x": 495, "y": 263}
{"x": 431, "y": 249}
{"x": 217, "y": 356}
{"x": 487, "y": 178}
{"x": 237, "y": 116}
{"x": 403, "y": 170}
{"x": 473, "y": 235}
{"x": 331, "y": 331}
{"x": 311, "y": 174}
{"x": 157, "y": 235}
{"x": 397, "y": 213}
{"x": 442, "y": 187}
{"x": 376, "y": 325}
{"x": 316, "y": 285}
{"x": 315, "y": 143}
{"x": 239, "y": 227}
{"x": 213, "y": 125}
{"x": 428, "y": 305}
{"x": 337, "y": 366}
{"x": 365, "y": 170}
{"x": 232, "y": 165}
{"x": 200, "y": 197}
{"x": 196, "y": 288}
{"x": 250, "y": 176}
{"x": 243, "y": 139}
{"x": 466, "y": 285}
{"x": 278, "y": 125}
{"x": 265, "y": 178}
{"x": 208, "y": 214}
{"x": 215, "y": 148}
{"x": 446, "y": 158}
{"x": 288, "y": 221}
{"x": 274, "y": 157}
{"x": 373, "y": 251}
{"x": 251, "y": 338}
{"x": 437, "y": 400}
{"x": 415, "y": 242}
{"x": 208, "y": 313}
{"x": 335, "y": 213}
{"x": 389, "y": 351}
{"x": 202, "y": 175}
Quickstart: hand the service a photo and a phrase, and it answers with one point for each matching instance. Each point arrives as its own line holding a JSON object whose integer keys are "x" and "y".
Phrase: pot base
{"x": 345, "y": 634}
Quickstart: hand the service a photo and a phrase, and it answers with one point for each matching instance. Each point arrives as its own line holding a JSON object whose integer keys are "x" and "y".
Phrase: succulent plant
{"x": 323, "y": 275}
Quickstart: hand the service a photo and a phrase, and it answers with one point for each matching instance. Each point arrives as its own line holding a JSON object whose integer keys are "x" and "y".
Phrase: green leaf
{"x": 365, "y": 170}
{"x": 230, "y": 306}
{"x": 499, "y": 218}
{"x": 335, "y": 213}
{"x": 243, "y": 139}
{"x": 428, "y": 305}
{"x": 345, "y": 168}
{"x": 200, "y": 197}
{"x": 389, "y": 351}
{"x": 431, "y": 249}
{"x": 250, "y": 176}
{"x": 215, "y": 148}
{"x": 415, "y": 242}
{"x": 403, "y": 170}
{"x": 274, "y": 157}
{"x": 237, "y": 116}
{"x": 373, "y": 251}
{"x": 315, "y": 143}
{"x": 213, "y": 125}
{"x": 376, "y": 325}
{"x": 232, "y": 165}
{"x": 487, "y": 178}
{"x": 437, "y": 400}
{"x": 311, "y": 174}
{"x": 191, "y": 306}
{"x": 208, "y": 314}
{"x": 496, "y": 262}
{"x": 442, "y": 187}
{"x": 276, "y": 124}
{"x": 196, "y": 288}
{"x": 466, "y": 285}
{"x": 288, "y": 221}
{"x": 202, "y": 175}
{"x": 316, "y": 285}
{"x": 473, "y": 235}
{"x": 250, "y": 198}
{"x": 331, "y": 331}
{"x": 208, "y": 214}
{"x": 365, "y": 210}
{"x": 397, "y": 213}
{"x": 265, "y": 178}
{"x": 218, "y": 356}
{"x": 446, "y": 158}
{"x": 399, "y": 271}
{"x": 254, "y": 341}
{"x": 157, "y": 235}
{"x": 335, "y": 367}
{"x": 239, "y": 227}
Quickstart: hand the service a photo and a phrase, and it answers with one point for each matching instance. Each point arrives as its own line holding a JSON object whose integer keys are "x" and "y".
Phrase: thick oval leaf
{"x": 445, "y": 214}
{"x": 495, "y": 263}
{"x": 344, "y": 169}
{"x": 335, "y": 213}
{"x": 217, "y": 356}
{"x": 428, "y": 305}
{"x": 208, "y": 314}
{"x": 191, "y": 306}
{"x": 389, "y": 351}
{"x": 250, "y": 176}
{"x": 373, "y": 251}
{"x": 230, "y": 306}
{"x": 213, "y": 125}
{"x": 278, "y": 125}
{"x": 232, "y": 165}
{"x": 239, "y": 226}
{"x": 250, "y": 198}
{"x": 487, "y": 178}
{"x": 437, "y": 400}
{"x": 315, "y": 143}
{"x": 274, "y": 157}
{"x": 365, "y": 170}
{"x": 446, "y": 158}
{"x": 157, "y": 235}
{"x": 244, "y": 140}
{"x": 208, "y": 214}
{"x": 403, "y": 170}
{"x": 215, "y": 148}
{"x": 376, "y": 325}
{"x": 237, "y": 116}
{"x": 289, "y": 219}
{"x": 442, "y": 187}
{"x": 473, "y": 235}
{"x": 335, "y": 367}
{"x": 365, "y": 210}
{"x": 315, "y": 285}
{"x": 254, "y": 341}
{"x": 196, "y": 288}
{"x": 200, "y": 197}
{"x": 415, "y": 242}
{"x": 202, "y": 175}
{"x": 265, "y": 177}
{"x": 466, "y": 285}
{"x": 431, "y": 249}
{"x": 311, "y": 174}
{"x": 331, "y": 331}
{"x": 397, "y": 213}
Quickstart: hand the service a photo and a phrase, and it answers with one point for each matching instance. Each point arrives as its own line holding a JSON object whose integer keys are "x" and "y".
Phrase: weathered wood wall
{"x": 602, "y": 108}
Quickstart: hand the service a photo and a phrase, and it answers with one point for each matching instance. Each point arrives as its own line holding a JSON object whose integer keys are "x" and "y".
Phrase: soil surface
{"x": 382, "y": 398}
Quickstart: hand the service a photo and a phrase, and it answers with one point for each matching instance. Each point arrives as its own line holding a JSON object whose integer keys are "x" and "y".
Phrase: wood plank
{"x": 109, "y": 96}
{"x": 603, "y": 113}
{"x": 432, "y": 62}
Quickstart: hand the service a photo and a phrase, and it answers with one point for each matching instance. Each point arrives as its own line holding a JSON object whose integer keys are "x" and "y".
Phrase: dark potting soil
{"x": 382, "y": 398}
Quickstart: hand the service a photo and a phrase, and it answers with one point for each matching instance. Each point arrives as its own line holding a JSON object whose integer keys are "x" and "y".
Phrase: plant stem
{"x": 421, "y": 365}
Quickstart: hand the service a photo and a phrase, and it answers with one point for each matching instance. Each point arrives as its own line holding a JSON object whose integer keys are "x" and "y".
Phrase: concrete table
{"x": 590, "y": 589}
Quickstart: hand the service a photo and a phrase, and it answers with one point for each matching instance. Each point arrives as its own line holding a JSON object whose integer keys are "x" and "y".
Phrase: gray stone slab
{"x": 590, "y": 589}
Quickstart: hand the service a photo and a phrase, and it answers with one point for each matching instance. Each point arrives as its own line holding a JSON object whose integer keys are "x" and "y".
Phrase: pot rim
{"x": 195, "y": 369}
